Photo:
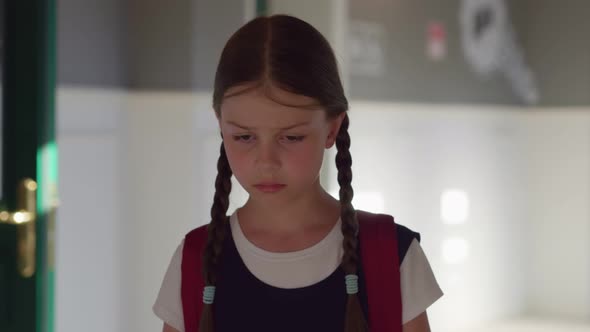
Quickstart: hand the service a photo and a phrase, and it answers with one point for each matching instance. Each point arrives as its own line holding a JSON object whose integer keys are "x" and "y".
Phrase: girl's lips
{"x": 269, "y": 187}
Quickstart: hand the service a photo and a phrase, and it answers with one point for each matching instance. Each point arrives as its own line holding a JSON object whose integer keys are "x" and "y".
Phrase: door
{"x": 29, "y": 165}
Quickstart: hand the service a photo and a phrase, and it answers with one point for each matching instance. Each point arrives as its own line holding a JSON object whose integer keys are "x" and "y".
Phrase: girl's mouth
{"x": 269, "y": 187}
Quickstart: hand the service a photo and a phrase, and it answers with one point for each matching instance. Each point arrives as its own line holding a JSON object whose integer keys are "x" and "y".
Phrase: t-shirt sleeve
{"x": 419, "y": 287}
{"x": 168, "y": 305}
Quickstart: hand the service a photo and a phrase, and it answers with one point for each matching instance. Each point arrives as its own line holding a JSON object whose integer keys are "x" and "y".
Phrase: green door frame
{"x": 29, "y": 151}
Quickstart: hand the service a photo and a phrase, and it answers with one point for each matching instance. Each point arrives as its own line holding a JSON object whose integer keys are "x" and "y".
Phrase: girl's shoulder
{"x": 405, "y": 237}
{"x": 376, "y": 225}
{"x": 196, "y": 235}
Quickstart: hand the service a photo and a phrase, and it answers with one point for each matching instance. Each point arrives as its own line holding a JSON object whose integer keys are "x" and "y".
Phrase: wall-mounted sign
{"x": 490, "y": 46}
{"x": 366, "y": 49}
{"x": 436, "y": 41}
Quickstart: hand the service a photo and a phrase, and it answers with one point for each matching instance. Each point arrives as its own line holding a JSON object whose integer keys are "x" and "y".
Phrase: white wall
{"x": 88, "y": 230}
{"x": 412, "y": 154}
{"x": 558, "y": 270}
{"x": 137, "y": 172}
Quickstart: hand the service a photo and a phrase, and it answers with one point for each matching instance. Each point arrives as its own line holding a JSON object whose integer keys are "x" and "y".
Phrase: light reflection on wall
{"x": 454, "y": 206}
{"x": 455, "y": 250}
{"x": 371, "y": 201}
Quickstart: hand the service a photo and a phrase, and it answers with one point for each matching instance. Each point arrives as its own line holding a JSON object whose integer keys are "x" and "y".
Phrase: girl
{"x": 289, "y": 259}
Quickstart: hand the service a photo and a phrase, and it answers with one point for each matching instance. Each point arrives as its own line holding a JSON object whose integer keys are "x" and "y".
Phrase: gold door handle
{"x": 24, "y": 218}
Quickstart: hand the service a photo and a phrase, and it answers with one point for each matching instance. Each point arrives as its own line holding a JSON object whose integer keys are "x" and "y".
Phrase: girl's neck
{"x": 314, "y": 209}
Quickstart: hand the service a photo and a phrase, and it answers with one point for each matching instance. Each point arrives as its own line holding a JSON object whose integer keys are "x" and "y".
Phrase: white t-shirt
{"x": 419, "y": 288}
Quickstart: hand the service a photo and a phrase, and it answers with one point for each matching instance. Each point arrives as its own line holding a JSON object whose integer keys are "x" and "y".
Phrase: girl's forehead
{"x": 255, "y": 108}
{"x": 271, "y": 92}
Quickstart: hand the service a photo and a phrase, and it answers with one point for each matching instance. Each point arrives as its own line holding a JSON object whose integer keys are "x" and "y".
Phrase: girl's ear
{"x": 334, "y": 128}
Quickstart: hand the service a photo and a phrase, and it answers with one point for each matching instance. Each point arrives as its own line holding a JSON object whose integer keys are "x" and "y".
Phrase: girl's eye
{"x": 293, "y": 139}
{"x": 243, "y": 138}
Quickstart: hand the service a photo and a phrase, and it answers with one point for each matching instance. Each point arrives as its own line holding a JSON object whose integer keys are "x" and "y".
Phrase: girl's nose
{"x": 267, "y": 156}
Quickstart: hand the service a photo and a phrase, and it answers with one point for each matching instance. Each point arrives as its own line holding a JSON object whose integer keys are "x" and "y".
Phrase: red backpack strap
{"x": 380, "y": 261}
{"x": 192, "y": 283}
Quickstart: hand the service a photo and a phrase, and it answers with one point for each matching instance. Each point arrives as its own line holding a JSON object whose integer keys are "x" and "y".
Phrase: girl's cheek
{"x": 230, "y": 153}
{"x": 306, "y": 157}
{"x": 232, "y": 156}
{"x": 237, "y": 158}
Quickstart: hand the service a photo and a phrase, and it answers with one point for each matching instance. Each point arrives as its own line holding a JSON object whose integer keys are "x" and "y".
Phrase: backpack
{"x": 379, "y": 259}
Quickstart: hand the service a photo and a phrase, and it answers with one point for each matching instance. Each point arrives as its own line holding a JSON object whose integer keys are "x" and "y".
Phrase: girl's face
{"x": 275, "y": 151}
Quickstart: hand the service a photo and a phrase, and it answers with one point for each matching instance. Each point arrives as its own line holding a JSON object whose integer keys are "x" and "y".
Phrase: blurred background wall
{"x": 497, "y": 186}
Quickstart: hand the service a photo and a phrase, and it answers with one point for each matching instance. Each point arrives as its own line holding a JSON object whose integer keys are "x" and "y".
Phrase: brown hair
{"x": 288, "y": 53}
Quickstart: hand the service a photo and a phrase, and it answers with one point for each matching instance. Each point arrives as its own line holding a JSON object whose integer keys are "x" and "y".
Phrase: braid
{"x": 354, "y": 321}
{"x": 347, "y": 213}
{"x": 217, "y": 230}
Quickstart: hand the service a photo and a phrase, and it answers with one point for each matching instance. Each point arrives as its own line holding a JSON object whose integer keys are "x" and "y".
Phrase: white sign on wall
{"x": 490, "y": 47}
{"x": 366, "y": 48}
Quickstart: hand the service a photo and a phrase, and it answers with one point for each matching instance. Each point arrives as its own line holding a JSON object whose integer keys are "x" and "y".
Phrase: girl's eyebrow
{"x": 300, "y": 124}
